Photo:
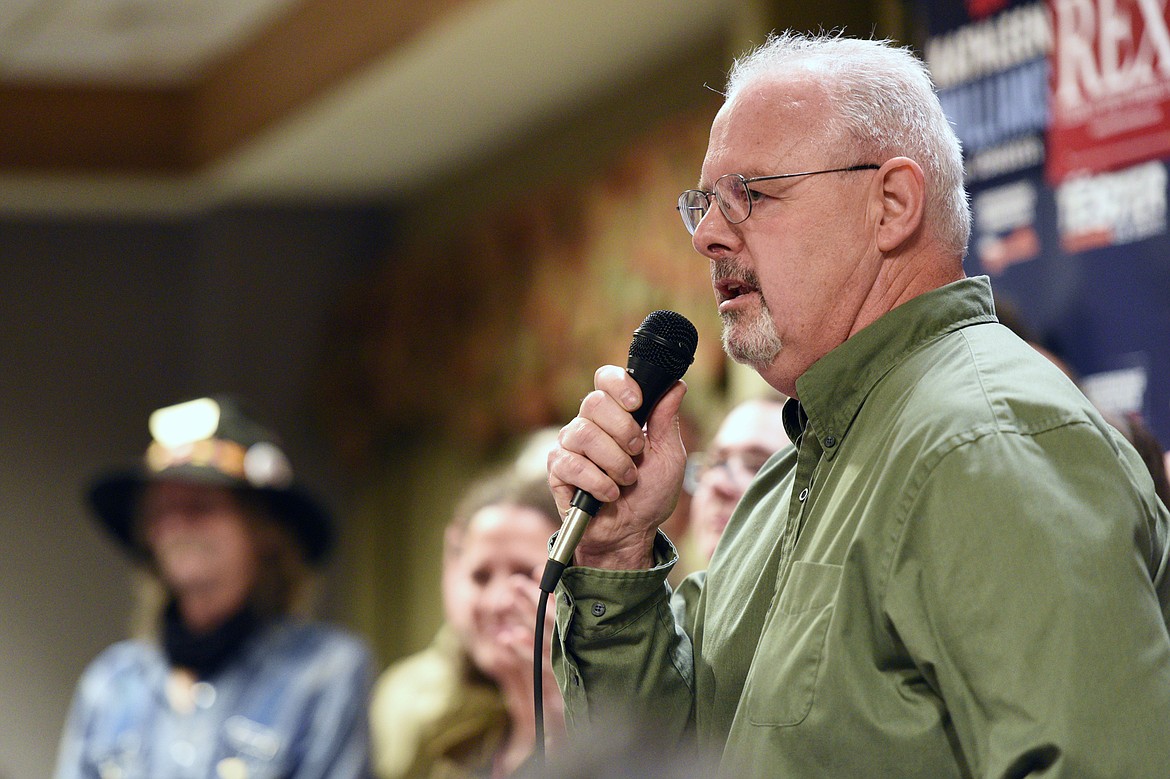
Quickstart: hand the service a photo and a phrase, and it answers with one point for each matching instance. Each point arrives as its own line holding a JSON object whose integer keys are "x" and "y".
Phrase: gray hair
{"x": 885, "y": 105}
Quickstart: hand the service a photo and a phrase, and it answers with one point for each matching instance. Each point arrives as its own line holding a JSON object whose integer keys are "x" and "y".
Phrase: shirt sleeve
{"x": 1024, "y": 590}
{"x": 618, "y": 654}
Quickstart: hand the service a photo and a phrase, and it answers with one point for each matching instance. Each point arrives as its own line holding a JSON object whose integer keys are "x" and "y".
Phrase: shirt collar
{"x": 834, "y": 387}
{"x": 795, "y": 419}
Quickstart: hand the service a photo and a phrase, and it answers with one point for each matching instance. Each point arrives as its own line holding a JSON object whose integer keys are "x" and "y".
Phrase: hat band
{"x": 226, "y": 457}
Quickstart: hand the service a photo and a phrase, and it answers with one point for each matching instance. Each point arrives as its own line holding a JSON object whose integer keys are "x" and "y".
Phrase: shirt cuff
{"x": 597, "y": 602}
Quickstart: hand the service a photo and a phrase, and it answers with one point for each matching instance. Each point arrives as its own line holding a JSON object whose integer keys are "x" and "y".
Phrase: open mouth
{"x": 729, "y": 289}
{"x": 732, "y": 281}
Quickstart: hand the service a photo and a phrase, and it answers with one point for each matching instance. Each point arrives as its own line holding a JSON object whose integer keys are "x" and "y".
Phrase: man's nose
{"x": 715, "y": 237}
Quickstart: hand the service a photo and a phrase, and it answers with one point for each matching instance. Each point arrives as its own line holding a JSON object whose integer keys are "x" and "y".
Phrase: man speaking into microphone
{"x": 959, "y": 571}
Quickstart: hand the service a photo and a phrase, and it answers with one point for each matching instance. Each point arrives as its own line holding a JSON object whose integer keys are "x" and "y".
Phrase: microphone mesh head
{"x": 666, "y": 339}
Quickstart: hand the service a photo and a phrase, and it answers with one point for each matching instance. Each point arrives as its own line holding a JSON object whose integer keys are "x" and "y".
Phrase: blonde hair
{"x": 506, "y": 487}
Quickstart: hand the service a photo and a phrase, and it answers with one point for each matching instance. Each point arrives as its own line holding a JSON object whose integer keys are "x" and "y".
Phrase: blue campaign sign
{"x": 1070, "y": 214}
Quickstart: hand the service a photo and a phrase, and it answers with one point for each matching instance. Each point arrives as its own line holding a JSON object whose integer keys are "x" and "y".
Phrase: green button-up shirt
{"x": 961, "y": 570}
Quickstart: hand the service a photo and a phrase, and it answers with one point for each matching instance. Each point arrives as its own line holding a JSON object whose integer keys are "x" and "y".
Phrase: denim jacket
{"x": 293, "y": 705}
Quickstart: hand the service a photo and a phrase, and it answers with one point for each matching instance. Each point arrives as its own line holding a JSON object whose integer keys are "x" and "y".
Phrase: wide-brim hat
{"x": 213, "y": 441}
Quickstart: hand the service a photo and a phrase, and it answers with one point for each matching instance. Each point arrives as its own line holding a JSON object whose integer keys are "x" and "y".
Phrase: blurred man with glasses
{"x": 716, "y": 478}
{"x": 960, "y": 569}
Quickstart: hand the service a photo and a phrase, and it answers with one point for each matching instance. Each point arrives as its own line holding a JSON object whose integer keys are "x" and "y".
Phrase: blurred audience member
{"x": 464, "y": 706}
{"x": 716, "y": 479}
{"x": 228, "y": 679}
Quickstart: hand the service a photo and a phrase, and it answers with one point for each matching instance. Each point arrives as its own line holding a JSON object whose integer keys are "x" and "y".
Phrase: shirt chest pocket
{"x": 783, "y": 679}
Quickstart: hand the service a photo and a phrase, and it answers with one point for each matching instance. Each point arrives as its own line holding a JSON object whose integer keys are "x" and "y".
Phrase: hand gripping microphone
{"x": 660, "y": 352}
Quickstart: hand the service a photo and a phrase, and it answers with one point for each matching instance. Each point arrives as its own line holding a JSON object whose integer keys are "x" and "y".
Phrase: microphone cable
{"x": 538, "y": 680}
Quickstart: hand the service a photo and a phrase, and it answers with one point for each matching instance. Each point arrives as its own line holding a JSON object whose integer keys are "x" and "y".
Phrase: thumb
{"x": 662, "y": 423}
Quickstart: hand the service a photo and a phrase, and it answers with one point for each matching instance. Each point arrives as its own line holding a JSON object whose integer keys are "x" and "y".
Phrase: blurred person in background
{"x": 227, "y": 676}
{"x": 716, "y": 478}
{"x": 464, "y": 706}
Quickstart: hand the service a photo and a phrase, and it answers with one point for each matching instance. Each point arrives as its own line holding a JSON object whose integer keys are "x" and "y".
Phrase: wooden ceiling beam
{"x": 299, "y": 58}
{"x": 98, "y": 129}
{"x": 78, "y": 129}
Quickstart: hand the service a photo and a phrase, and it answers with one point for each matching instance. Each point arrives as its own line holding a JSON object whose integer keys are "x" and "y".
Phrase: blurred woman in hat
{"x": 229, "y": 678}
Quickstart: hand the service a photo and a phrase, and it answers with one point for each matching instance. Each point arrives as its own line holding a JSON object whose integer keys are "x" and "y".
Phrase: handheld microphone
{"x": 662, "y": 349}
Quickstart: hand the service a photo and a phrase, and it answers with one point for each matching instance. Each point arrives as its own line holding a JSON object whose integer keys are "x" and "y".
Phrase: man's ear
{"x": 902, "y": 199}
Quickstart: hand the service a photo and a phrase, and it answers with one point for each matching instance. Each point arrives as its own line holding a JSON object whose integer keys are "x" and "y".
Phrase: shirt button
{"x": 803, "y": 495}
{"x": 598, "y": 609}
{"x": 830, "y": 442}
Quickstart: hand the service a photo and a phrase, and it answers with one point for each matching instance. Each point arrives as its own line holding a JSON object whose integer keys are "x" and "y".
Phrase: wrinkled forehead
{"x": 771, "y": 124}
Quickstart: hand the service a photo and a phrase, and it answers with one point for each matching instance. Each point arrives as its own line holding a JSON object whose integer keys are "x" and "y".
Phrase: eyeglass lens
{"x": 741, "y": 467}
{"x": 734, "y": 199}
{"x": 731, "y": 192}
{"x": 692, "y": 206}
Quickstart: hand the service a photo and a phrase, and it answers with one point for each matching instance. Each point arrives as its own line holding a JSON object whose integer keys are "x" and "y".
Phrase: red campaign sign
{"x": 1110, "y": 85}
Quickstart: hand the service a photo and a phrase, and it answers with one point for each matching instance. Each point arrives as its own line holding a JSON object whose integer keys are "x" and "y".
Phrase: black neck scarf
{"x": 206, "y": 653}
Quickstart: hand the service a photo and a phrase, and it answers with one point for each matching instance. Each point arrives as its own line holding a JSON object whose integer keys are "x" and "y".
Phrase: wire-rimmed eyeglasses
{"x": 733, "y": 194}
